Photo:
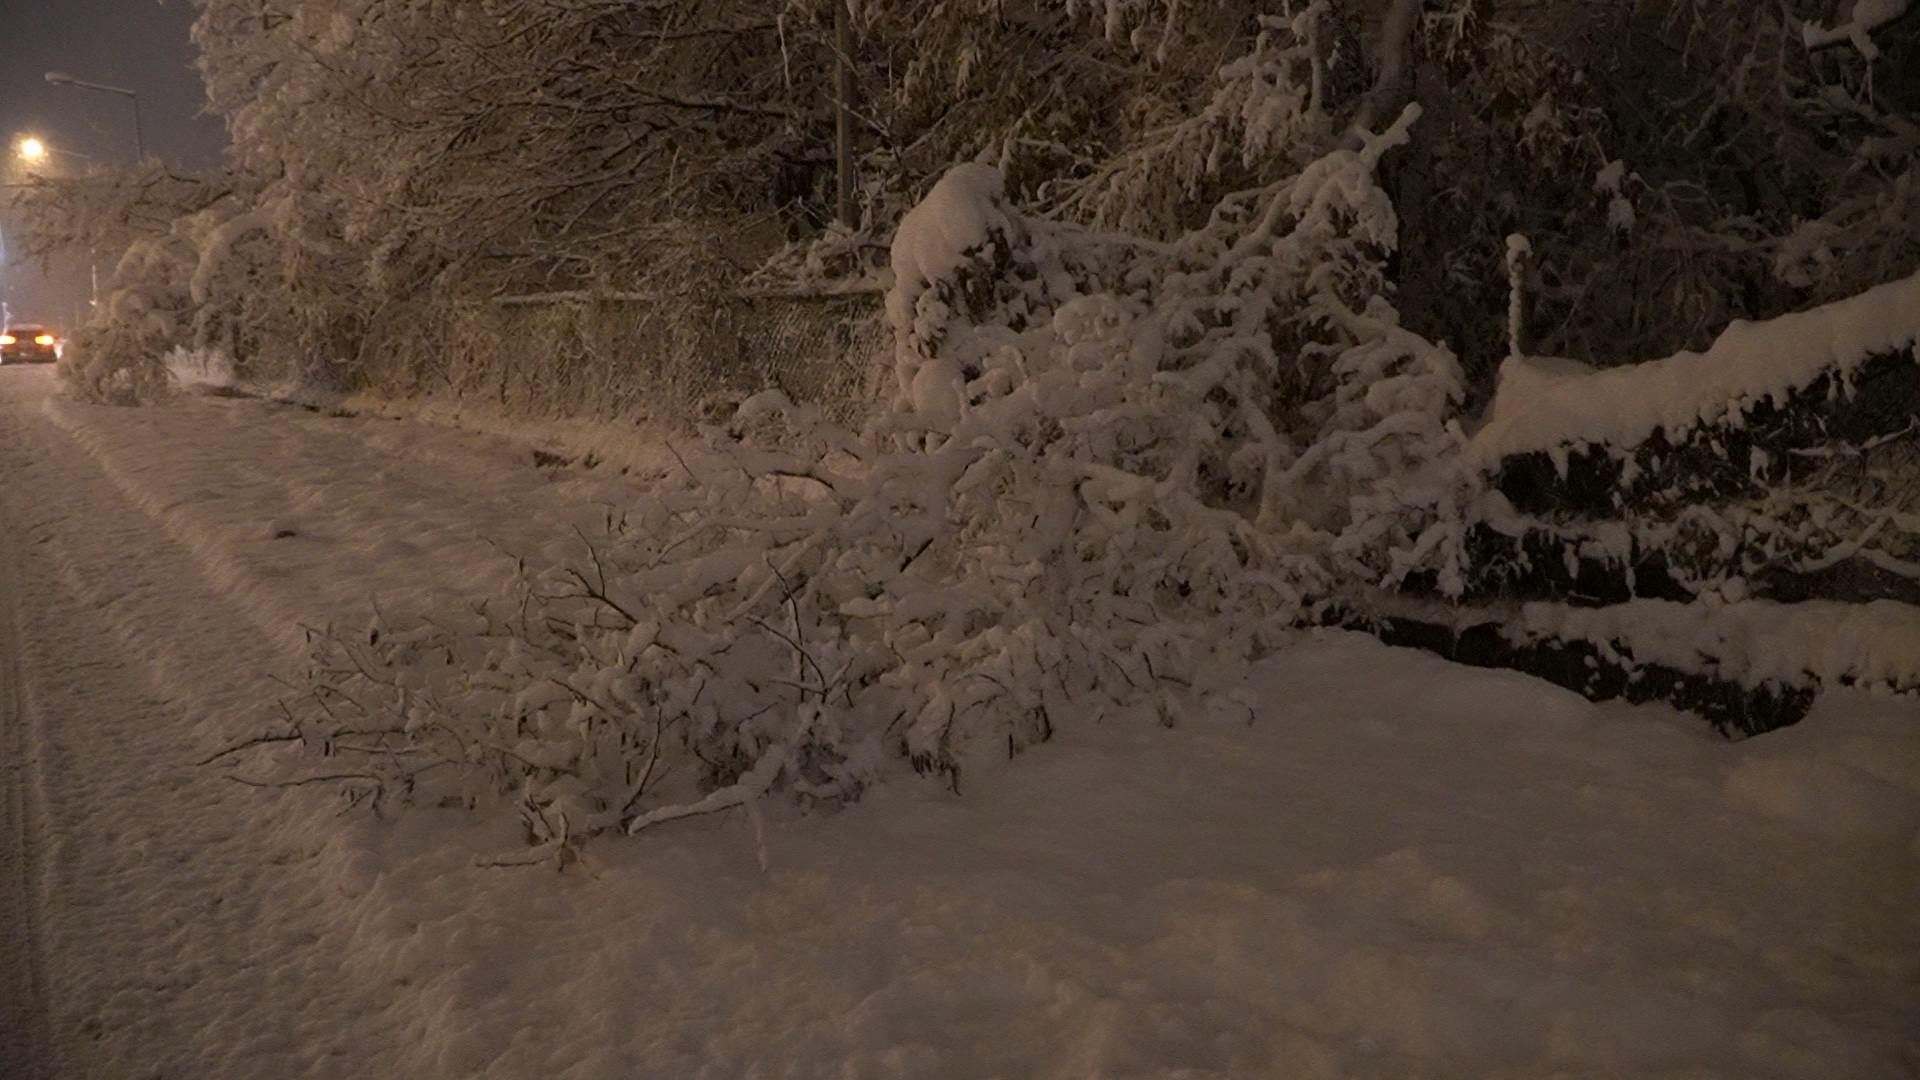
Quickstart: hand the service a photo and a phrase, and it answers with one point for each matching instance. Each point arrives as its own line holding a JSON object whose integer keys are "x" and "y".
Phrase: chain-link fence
{"x": 676, "y": 359}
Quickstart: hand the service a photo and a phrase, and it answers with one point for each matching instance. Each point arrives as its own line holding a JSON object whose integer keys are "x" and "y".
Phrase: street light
{"x": 61, "y": 78}
{"x": 35, "y": 151}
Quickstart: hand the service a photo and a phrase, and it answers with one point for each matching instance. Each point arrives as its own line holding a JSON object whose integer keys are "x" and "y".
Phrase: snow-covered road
{"x": 179, "y": 933}
{"x": 1393, "y": 868}
{"x": 22, "y": 1008}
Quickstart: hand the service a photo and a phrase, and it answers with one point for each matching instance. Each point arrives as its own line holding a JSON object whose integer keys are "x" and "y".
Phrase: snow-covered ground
{"x": 1388, "y": 866}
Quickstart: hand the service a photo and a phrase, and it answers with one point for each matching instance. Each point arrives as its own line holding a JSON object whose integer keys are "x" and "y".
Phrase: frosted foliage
{"x": 1862, "y": 506}
{"x": 1122, "y": 447}
{"x": 963, "y": 212}
{"x": 1867, "y": 16}
{"x": 1091, "y": 496}
{"x": 1261, "y": 114}
{"x": 1177, "y": 380}
{"x": 140, "y": 316}
{"x": 963, "y": 220}
{"x": 1131, "y": 20}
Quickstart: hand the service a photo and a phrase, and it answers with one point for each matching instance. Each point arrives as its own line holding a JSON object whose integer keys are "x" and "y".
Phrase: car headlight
{"x": 43, "y": 339}
{"x": 7, "y": 339}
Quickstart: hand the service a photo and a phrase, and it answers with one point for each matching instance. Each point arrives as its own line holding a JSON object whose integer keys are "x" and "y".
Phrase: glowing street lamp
{"x": 37, "y": 151}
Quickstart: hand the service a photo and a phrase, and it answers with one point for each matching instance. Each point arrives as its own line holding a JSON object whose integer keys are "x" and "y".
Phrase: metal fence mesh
{"x": 678, "y": 359}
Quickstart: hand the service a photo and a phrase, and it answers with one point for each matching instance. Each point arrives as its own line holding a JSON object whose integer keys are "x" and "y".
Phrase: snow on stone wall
{"x": 1875, "y": 646}
{"x": 1545, "y": 404}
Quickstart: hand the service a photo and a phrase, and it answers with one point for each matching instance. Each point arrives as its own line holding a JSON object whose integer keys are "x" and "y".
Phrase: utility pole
{"x": 61, "y": 78}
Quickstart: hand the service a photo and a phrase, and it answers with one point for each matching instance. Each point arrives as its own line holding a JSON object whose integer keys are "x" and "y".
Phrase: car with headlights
{"x": 29, "y": 343}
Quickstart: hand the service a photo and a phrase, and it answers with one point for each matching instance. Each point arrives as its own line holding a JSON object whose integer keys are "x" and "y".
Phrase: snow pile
{"x": 1544, "y": 405}
{"x": 204, "y": 370}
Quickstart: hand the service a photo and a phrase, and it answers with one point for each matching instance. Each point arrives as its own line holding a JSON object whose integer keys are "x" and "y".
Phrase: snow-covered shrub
{"x": 239, "y": 290}
{"x": 1114, "y": 471}
{"x": 1227, "y": 409}
{"x": 788, "y": 615}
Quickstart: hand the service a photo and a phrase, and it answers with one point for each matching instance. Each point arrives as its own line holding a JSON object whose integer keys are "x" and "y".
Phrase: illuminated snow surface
{"x": 1391, "y": 867}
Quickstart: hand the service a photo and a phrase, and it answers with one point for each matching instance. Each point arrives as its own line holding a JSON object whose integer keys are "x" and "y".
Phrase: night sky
{"x": 140, "y": 45}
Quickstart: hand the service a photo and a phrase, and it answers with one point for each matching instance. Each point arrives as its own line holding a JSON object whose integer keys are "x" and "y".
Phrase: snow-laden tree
{"x": 1674, "y": 162}
{"x": 145, "y": 227}
{"x": 402, "y": 154}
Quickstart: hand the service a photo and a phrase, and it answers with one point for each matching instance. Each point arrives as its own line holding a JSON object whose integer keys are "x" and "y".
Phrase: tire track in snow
{"x": 22, "y": 982}
{"x": 329, "y": 488}
{"x": 191, "y": 927}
